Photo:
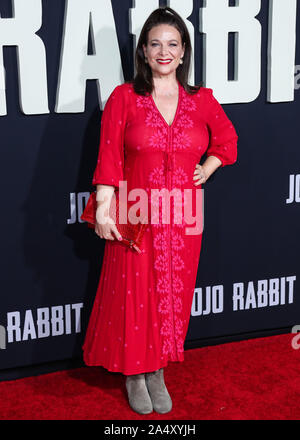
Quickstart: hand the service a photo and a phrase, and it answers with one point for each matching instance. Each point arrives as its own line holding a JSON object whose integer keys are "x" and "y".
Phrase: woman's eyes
{"x": 156, "y": 44}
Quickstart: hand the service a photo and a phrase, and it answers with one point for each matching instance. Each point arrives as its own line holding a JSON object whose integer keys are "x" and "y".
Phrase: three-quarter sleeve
{"x": 110, "y": 163}
{"x": 223, "y": 136}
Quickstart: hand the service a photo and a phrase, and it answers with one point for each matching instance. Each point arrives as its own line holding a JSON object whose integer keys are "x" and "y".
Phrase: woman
{"x": 154, "y": 131}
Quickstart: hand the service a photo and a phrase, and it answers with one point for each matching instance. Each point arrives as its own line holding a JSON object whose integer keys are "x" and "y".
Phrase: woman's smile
{"x": 168, "y": 61}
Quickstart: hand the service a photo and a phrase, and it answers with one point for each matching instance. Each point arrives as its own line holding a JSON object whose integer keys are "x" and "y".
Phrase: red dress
{"x": 142, "y": 307}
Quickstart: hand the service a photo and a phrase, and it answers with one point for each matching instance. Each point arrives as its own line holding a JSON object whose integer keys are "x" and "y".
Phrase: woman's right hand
{"x": 105, "y": 226}
{"x": 107, "y": 229}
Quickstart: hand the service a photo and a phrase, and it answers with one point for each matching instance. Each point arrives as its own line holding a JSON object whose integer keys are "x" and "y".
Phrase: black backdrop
{"x": 50, "y": 267}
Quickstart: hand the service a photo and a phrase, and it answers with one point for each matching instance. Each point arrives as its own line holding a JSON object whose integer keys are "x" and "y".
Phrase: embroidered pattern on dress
{"x": 158, "y": 140}
{"x": 153, "y": 119}
{"x": 179, "y": 177}
{"x": 157, "y": 177}
{"x": 181, "y": 140}
{"x": 168, "y": 254}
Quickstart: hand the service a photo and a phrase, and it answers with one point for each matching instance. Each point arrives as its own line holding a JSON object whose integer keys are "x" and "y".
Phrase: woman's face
{"x": 164, "y": 49}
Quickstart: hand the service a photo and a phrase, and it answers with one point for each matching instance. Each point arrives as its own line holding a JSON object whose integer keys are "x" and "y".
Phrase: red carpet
{"x": 258, "y": 379}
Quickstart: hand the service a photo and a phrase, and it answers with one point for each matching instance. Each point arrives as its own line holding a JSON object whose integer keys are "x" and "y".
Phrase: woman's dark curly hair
{"x": 143, "y": 82}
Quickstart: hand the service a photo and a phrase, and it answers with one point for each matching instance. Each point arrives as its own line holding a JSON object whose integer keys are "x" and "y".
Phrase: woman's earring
{"x": 146, "y": 60}
{"x": 181, "y": 61}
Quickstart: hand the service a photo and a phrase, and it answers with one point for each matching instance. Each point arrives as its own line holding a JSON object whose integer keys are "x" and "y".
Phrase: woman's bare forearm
{"x": 211, "y": 164}
{"x": 104, "y": 194}
{"x": 103, "y": 198}
{"x": 105, "y": 226}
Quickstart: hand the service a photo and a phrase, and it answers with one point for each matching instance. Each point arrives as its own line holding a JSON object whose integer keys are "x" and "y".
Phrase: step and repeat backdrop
{"x": 59, "y": 61}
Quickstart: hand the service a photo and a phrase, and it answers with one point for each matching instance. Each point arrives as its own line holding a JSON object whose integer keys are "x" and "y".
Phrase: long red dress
{"x": 142, "y": 307}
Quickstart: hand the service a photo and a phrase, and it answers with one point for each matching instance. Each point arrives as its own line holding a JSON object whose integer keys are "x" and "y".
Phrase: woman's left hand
{"x": 200, "y": 175}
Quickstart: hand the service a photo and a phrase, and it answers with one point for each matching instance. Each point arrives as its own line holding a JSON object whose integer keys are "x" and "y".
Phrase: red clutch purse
{"x": 132, "y": 234}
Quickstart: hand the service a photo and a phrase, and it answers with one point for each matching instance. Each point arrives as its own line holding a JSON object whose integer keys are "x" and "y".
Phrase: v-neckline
{"x": 177, "y": 107}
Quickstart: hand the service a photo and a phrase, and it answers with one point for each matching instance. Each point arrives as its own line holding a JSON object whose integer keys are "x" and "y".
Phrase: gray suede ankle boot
{"x": 161, "y": 400}
{"x": 138, "y": 395}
